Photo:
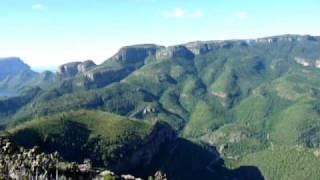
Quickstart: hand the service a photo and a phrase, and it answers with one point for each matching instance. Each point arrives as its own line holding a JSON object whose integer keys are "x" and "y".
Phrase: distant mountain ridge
{"x": 255, "y": 101}
{"x": 11, "y": 66}
{"x": 14, "y": 65}
{"x": 15, "y": 76}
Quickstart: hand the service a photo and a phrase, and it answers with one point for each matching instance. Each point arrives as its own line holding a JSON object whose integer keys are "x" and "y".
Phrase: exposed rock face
{"x": 202, "y": 47}
{"x": 20, "y": 163}
{"x": 307, "y": 62}
{"x": 86, "y": 66}
{"x": 162, "y": 133}
{"x": 317, "y": 64}
{"x": 11, "y": 66}
{"x": 198, "y": 47}
{"x": 68, "y": 70}
{"x": 74, "y": 68}
{"x": 106, "y": 76}
{"x": 132, "y": 54}
{"x": 302, "y": 61}
{"x": 289, "y": 38}
{"x": 174, "y": 52}
{"x": 128, "y": 58}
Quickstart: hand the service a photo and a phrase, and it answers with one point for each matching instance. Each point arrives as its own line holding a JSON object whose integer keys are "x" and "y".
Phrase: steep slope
{"x": 15, "y": 75}
{"x": 108, "y": 140}
{"x": 11, "y": 66}
{"x": 124, "y": 146}
{"x": 241, "y": 96}
{"x": 282, "y": 162}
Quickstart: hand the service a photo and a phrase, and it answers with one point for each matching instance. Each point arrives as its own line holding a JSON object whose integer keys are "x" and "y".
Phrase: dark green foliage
{"x": 243, "y": 97}
{"x": 105, "y": 138}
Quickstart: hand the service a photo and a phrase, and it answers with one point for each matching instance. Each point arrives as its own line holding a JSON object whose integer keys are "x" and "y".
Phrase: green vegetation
{"x": 242, "y": 97}
{"x": 281, "y": 162}
{"x": 103, "y": 137}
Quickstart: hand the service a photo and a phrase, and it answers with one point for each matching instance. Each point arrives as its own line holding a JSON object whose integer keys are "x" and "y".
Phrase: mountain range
{"x": 208, "y": 109}
{"x": 15, "y": 76}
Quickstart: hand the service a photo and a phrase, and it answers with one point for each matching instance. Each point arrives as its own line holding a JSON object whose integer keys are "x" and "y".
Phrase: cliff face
{"x": 85, "y": 66}
{"x": 174, "y": 52}
{"x": 114, "y": 142}
{"x": 68, "y": 70}
{"x": 119, "y": 66}
{"x": 198, "y": 47}
{"x": 161, "y": 135}
{"x": 133, "y": 54}
{"x": 129, "y": 59}
{"x": 74, "y": 68}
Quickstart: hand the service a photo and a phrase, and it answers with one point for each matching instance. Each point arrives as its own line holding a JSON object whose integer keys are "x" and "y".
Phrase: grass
{"x": 284, "y": 163}
{"x": 109, "y": 126}
{"x": 104, "y": 137}
{"x": 242, "y": 96}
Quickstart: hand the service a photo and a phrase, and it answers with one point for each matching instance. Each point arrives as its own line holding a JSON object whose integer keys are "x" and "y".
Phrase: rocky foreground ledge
{"x": 18, "y": 163}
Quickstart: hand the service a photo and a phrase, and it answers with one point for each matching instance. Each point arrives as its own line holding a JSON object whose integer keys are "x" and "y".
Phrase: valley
{"x": 245, "y": 109}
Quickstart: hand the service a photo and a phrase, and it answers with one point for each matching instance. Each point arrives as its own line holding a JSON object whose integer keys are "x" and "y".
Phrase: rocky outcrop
{"x": 128, "y": 59}
{"x": 68, "y": 70}
{"x": 85, "y": 66}
{"x": 198, "y": 47}
{"x": 288, "y": 38}
{"x": 202, "y": 47}
{"x": 161, "y": 134}
{"x": 317, "y": 63}
{"x": 74, "y": 68}
{"x": 174, "y": 52}
{"x": 20, "y": 163}
{"x": 103, "y": 77}
{"x": 136, "y": 53}
{"x": 302, "y": 61}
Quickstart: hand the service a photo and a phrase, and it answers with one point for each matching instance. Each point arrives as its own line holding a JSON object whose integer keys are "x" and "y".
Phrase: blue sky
{"x": 47, "y": 33}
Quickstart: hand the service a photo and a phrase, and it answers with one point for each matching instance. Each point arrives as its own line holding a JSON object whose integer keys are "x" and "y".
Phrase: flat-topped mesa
{"x": 135, "y": 53}
{"x": 74, "y": 68}
{"x": 179, "y": 51}
{"x": 202, "y": 47}
{"x": 286, "y": 38}
{"x": 67, "y": 70}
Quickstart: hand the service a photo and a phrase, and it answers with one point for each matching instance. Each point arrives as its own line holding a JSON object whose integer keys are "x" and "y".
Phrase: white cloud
{"x": 177, "y": 13}
{"x": 198, "y": 13}
{"x": 180, "y": 13}
{"x": 242, "y": 15}
{"x": 37, "y": 7}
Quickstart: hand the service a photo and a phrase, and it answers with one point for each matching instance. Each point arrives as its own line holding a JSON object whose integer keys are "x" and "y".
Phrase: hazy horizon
{"x": 47, "y": 33}
{"x": 53, "y": 68}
